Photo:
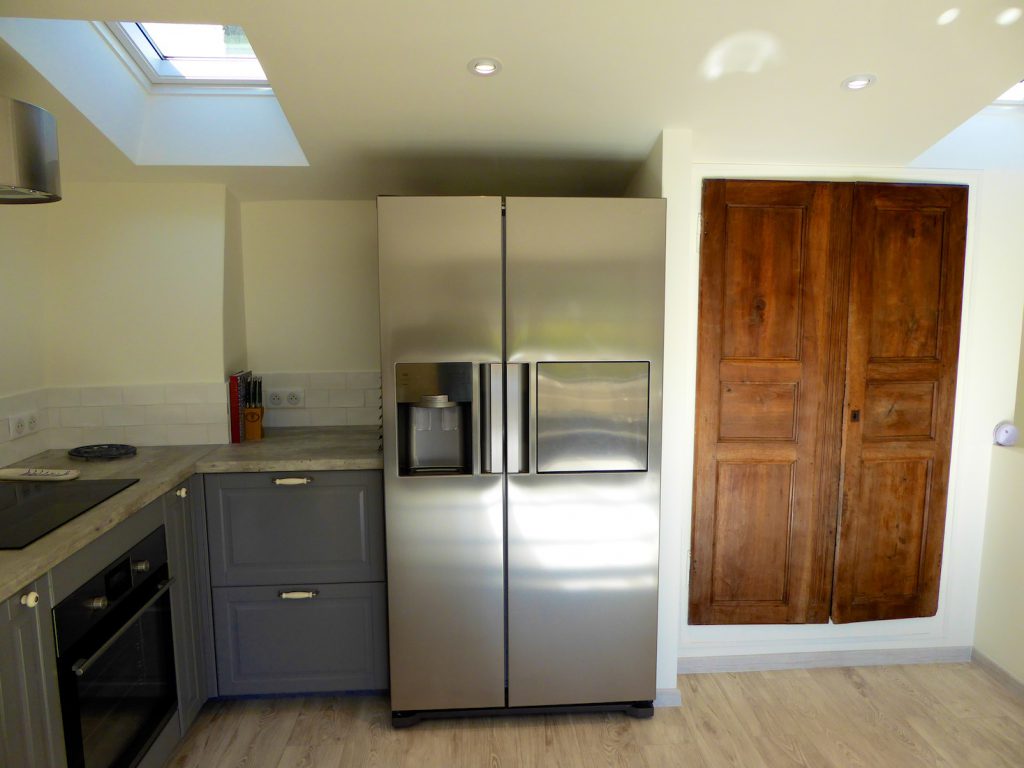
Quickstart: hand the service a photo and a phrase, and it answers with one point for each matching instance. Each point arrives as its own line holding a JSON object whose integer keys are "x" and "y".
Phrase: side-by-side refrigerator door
{"x": 441, "y": 326}
{"x": 584, "y": 332}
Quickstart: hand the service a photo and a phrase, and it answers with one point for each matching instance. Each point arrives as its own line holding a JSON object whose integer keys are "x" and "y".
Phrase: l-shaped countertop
{"x": 160, "y": 468}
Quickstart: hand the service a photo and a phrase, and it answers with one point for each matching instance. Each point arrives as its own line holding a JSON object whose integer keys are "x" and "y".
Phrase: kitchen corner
{"x": 160, "y": 468}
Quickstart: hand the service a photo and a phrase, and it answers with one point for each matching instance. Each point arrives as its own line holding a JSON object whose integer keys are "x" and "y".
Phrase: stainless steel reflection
{"x": 562, "y": 321}
{"x": 592, "y": 417}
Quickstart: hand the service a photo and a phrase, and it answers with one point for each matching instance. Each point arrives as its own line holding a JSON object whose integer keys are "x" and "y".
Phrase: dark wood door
{"x": 771, "y": 341}
{"x": 904, "y": 329}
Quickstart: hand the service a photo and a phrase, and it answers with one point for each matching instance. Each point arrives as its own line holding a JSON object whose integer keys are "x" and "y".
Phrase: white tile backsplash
{"x": 146, "y": 394}
{"x": 124, "y": 415}
{"x": 182, "y": 413}
{"x": 346, "y": 398}
{"x": 332, "y": 398}
{"x": 102, "y": 395}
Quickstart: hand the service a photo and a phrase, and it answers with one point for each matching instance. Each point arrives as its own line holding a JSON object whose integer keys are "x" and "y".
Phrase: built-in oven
{"x": 115, "y": 659}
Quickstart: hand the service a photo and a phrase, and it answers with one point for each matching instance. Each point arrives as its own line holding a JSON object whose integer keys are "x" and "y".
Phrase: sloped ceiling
{"x": 381, "y": 102}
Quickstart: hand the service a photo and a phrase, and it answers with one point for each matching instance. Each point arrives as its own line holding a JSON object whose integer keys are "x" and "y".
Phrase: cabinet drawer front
{"x": 329, "y": 529}
{"x": 335, "y": 641}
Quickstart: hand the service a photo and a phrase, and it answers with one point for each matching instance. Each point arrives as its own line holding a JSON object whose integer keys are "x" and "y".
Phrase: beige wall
{"x": 135, "y": 284}
{"x": 311, "y": 285}
{"x": 22, "y": 256}
{"x": 234, "y": 288}
{"x": 1000, "y": 623}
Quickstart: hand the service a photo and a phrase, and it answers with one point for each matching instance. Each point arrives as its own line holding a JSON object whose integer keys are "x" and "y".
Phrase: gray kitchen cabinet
{"x": 297, "y": 575}
{"x": 326, "y": 637}
{"x": 188, "y": 624}
{"x": 291, "y": 528}
{"x": 30, "y": 726}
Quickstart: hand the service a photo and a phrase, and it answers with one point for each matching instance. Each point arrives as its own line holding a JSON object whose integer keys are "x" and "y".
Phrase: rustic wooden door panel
{"x": 763, "y": 254}
{"x": 904, "y": 328}
{"x": 753, "y": 518}
{"x": 769, "y": 382}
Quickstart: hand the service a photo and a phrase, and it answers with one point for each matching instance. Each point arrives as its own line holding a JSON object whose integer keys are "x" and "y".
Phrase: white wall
{"x": 134, "y": 284}
{"x": 235, "y": 352}
{"x": 311, "y": 286}
{"x": 1000, "y": 626}
{"x": 994, "y": 289}
{"x": 22, "y": 258}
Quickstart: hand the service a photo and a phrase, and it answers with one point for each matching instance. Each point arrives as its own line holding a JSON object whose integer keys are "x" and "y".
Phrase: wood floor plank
{"x": 922, "y": 716}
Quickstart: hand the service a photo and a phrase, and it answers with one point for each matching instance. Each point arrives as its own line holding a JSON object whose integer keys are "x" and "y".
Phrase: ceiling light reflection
{"x": 948, "y": 17}
{"x": 1009, "y": 16}
{"x": 748, "y": 52}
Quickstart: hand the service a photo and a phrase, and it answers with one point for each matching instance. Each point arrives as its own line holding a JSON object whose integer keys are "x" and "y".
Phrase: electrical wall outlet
{"x": 285, "y": 398}
{"x": 23, "y": 424}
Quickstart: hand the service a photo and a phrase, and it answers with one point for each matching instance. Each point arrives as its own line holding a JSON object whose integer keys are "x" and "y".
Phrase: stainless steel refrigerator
{"x": 521, "y": 343}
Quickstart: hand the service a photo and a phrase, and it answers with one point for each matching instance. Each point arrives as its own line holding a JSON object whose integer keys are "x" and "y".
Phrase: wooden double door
{"x": 829, "y": 328}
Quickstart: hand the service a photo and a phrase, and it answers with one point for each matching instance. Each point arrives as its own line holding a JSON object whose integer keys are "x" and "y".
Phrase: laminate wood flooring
{"x": 934, "y": 715}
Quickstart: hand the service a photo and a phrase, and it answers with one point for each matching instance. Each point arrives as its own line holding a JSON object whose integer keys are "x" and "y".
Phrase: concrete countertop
{"x": 161, "y": 469}
{"x": 294, "y": 449}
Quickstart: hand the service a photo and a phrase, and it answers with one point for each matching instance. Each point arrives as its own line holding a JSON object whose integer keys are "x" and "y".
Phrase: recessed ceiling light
{"x": 858, "y": 82}
{"x": 1009, "y": 16}
{"x": 948, "y": 17}
{"x": 485, "y": 67}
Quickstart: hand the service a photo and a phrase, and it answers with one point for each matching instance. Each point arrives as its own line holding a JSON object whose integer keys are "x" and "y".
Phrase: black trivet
{"x": 102, "y": 451}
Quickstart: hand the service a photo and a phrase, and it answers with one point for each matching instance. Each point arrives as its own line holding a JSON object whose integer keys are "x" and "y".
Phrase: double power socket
{"x": 23, "y": 424}
{"x": 285, "y": 398}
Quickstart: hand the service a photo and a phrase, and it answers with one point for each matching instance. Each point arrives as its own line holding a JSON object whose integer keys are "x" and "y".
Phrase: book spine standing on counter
{"x": 238, "y": 387}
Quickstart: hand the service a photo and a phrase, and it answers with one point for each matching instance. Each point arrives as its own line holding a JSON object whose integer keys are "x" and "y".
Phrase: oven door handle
{"x": 81, "y": 666}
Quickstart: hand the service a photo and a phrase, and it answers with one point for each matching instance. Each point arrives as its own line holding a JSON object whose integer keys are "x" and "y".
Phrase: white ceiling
{"x": 381, "y": 102}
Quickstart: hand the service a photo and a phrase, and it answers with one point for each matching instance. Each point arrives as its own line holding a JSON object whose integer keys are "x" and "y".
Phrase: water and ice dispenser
{"x": 434, "y": 402}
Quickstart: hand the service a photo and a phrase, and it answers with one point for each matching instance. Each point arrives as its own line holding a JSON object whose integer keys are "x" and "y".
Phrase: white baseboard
{"x": 668, "y": 697}
{"x": 862, "y": 658}
{"x": 1004, "y": 677}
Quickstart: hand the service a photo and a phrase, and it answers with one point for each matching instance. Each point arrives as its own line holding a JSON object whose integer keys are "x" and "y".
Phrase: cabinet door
{"x": 301, "y": 639}
{"x": 30, "y": 726}
{"x": 906, "y": 286}
{"x": 294, "y": 527}
{"x": 773, "y": 287}
{"x": 189, "y": 661}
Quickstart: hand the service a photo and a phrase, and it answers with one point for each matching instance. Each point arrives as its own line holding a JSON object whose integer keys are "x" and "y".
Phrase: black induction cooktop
{"x": 29, "y": 511}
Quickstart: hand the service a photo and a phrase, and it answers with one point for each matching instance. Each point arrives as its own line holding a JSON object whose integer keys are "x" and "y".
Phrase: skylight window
{"x": 1013, "y": 96}
{"x": 191, "y": 54}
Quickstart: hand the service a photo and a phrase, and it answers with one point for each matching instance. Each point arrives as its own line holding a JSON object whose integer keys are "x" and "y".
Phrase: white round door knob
{"x": 30, "y": 599}
{"x": 1005, "y": 434}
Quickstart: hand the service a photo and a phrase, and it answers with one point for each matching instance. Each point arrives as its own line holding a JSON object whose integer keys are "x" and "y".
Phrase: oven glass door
{"x": 120, "y": 701}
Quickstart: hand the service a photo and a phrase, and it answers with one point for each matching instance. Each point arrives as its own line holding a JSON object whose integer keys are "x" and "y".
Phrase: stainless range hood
{"x": 29, "y": 167}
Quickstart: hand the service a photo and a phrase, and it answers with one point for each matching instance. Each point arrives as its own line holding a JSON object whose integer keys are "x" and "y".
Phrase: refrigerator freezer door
{"x": 441, "y": 299}
{"x": 446, "y": 592}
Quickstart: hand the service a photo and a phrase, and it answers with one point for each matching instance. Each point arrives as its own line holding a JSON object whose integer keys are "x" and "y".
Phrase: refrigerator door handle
{"x": 491, "y": 384}
{"x": 517, "y": 389}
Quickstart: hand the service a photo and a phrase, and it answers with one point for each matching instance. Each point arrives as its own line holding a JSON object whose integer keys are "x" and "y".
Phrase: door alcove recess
{"x": 828, "y": 335}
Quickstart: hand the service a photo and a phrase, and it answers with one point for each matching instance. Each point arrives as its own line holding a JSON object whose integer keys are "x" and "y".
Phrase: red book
{"x": 236, "y": 385}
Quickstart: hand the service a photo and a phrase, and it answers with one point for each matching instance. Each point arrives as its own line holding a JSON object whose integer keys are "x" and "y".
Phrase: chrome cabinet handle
{"x": 81, "y": 666}
{"x": 293, "y": 480}
{"x": 97, "y": 603}
{"x": 30, "y": 599}
{"x": 490, "y": 411}
{"x": 141, "y": 566}
{"x": 299, "y": 595}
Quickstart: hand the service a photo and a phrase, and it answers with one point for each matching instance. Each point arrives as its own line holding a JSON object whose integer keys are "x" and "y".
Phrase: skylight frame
{"x": 162, "y": 73}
